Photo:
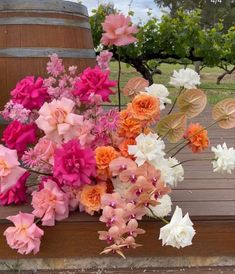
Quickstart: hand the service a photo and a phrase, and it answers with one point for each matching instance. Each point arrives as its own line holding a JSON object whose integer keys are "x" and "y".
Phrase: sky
{"x": 140, "y": 7}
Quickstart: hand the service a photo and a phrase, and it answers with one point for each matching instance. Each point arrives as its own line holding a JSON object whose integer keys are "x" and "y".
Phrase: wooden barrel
{"x": 30, "y": 30}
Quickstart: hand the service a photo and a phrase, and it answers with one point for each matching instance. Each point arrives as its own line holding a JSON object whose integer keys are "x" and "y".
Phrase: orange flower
{"x": 145, "y": 107}
{"x": 128, "y": 127}
{"x": 197, "y": 137}
{"x": 124, "y": 146}
{"x": 104, "y": 155}
{"x": 90, "y": 197}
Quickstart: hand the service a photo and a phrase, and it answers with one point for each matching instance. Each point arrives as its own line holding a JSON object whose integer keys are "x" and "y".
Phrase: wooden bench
{"x": 208, "y": 197}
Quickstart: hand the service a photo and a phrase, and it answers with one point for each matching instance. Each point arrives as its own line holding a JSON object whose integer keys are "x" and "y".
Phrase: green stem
{"x": 173, "y": 105}
{"x": 119, "y": 78}
{"x": 156, "y": 217}
{"x": 177, "y": 151}
{"x": 192, "y": 160}
{"x": 38, "y": 172}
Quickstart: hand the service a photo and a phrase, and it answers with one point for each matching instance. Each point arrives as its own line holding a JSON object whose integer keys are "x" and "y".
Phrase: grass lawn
{"x": 208, "y": 79}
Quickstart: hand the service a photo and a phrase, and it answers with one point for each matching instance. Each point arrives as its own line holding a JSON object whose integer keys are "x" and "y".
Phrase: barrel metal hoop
{"x": 43, "y": 21}
{"x": 45, "y": 52}
{"x": 46, "y": 5}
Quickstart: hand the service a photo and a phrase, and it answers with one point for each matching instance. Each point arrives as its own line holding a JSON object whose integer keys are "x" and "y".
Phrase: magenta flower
{"x": 30, "y": 93}
{"x": 93, "y": 82}
{"x": 18, "y": 136}
{"x": 25, "y": 236}
{"x": 73, "y": 164}
{"x": 50, "y": 204}
{"x": 118, "y": 30}
{"x": 17, "y": 193}
{"x": 109, "y": 120}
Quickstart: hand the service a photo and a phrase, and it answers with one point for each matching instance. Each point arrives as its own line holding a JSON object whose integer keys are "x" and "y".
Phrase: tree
{"x": 180, "y": 39}
{"x": 211, "y": 13}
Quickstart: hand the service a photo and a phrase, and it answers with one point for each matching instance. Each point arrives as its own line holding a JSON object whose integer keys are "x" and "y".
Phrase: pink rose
{"x": 18, "y": 136}
{"x": 74, "y": 165}
{"x": 25, "y": 236}
{"x": 10, "y": 172}
{"x": 118, "y": 30}
{"x": 45, "y": 148}
{"x": 93, "y": 82}
{"x": 50, "y": 203}
{"x": 17, "y": 193}
{"x": 30, "y": 93}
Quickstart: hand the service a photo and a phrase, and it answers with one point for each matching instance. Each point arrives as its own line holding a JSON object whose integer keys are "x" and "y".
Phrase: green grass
{"x": 214, "y": 92}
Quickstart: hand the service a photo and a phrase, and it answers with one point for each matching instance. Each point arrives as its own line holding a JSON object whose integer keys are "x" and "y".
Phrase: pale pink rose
{"x": 10, "y": 172}
{"x": 50, "y": 204}
{"x": 45, "y": 148}
{"x": 25, "y": 236}
{"x": 118, "y": 30}
{"x": 58, "y": 121}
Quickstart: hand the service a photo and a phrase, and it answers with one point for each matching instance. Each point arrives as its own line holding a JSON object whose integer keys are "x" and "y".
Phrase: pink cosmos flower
{"x": 118, "y": 30}
{"x": 103, "y": 59}
{"x": 93, "y": 81}
{"x": 18, "y": 136}
{"x": 25, "y": 236}
{"x": 109, "y": 120}
{"x": 10, "y": 172}
{"x": 74, "y": 165}
{"x": 55, "y": 66}
{"x": 50, "y": 204}
{"x": 17, "y": 193}
{"x": 58, "y": 121}
{"x": 30, "y": 93}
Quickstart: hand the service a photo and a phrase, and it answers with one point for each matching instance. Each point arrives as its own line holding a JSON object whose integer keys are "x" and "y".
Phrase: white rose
{"x": 186, "y": 78}
{"x": 178, "y": 171}
{"x": 224, "y": 159}
{"x": 163, "y": 209}
{"x": 179, "y": 232}
{"x": 147, "y": 148}
{"x": 161, "y": 92}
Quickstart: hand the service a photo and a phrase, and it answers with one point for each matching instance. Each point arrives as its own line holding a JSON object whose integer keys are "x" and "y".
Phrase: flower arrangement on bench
{"x": 91, "y": 159}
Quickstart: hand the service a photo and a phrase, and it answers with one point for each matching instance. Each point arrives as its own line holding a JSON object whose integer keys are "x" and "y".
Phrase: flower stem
{"x": 156, "y": 217}
{"x": 177, "y": 151}
{"x": 173, "y": 105}
{"x": 193, "y": 160}
{"x": 119, "y": 78}
{"x": 38, "y": 172}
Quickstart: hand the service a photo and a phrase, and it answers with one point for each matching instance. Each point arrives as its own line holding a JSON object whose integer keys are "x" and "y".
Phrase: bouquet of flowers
{"x": 64, "y": 152}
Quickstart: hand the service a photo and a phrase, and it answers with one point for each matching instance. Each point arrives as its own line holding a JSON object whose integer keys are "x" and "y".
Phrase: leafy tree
{"x": 180, "y": 39}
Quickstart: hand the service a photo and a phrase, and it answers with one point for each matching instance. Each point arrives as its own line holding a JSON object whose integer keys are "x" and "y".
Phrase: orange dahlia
{"x": 145, "y": 107}
{"x": 124, "y": 146}
{"x": 104, "y": 155}
{"x": 128, "y": 126}
{"x": 90, "y": 197}
{"x": 197, "y": 137}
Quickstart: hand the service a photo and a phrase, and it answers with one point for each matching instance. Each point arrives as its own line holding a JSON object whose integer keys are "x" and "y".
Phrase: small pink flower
{"x": 93, "y": 81}
{"x": 18, "y": 136}
{"x": 103, "y": 59}
{"x": 132, "y": 228}
{"x": 55, "y": 65}
{"x": 58, "y": 121}
{"x": 25, "y": 236}
{"x": 74, "y": 165}
{"x": 10, "y": 172}
{"x": 30, "y": 93}
{"x": 118, "y": 30}
{"x": 50, "y": 204}
{"x": 14, "y": 111}
{"x": 16, "y": 194}
{"x": 109, "y": 121}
